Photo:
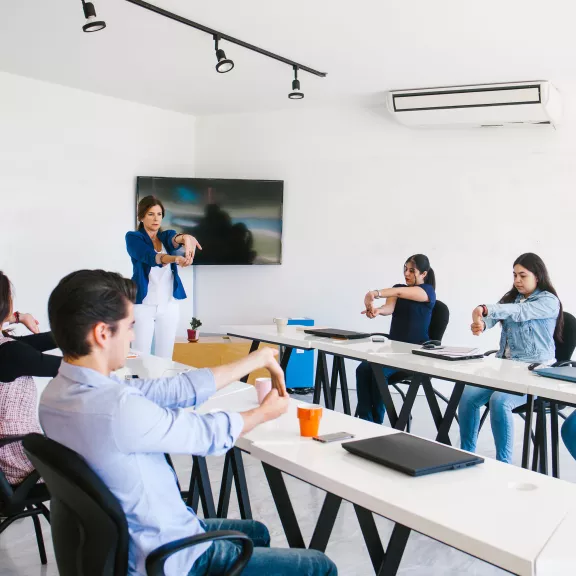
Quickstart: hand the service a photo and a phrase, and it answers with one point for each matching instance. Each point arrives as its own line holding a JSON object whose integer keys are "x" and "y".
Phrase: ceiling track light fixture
{"x": 225, "y": 65}
{"x": 296, "y": 93}
{"x": 92, "y": 22}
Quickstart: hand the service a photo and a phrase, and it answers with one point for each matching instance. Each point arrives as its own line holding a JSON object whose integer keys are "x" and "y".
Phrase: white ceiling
{"x": 366, "y": 46}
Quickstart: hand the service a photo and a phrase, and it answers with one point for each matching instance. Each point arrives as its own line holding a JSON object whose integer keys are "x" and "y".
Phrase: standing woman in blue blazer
{"x": 155, "y": 272}
{"x": 531, "y": 318}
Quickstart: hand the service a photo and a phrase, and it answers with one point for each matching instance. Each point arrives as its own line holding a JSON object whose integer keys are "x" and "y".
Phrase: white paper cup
{"x": 281, "y": 324}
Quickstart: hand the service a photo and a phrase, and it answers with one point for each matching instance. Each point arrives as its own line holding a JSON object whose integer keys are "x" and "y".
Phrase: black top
{"x": 411, "y": 319}
{"x": 23, "y": 357}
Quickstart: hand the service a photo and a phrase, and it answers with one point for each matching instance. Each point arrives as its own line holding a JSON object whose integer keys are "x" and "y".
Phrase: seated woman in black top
{"x": 20, "y": 359}
{"x": 410, "y": 306}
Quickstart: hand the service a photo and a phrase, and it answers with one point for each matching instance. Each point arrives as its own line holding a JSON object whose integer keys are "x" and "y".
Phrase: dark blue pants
{"x": 370, "y": 404}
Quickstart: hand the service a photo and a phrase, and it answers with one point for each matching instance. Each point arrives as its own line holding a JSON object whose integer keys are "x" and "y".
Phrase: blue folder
{"x": 562, "y": 373}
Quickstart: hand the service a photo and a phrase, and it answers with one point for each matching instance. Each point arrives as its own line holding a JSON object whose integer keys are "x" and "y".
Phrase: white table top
{"x": 552, "y": 389}
{"x": 152, "y": 367}
{"x": 490, "y": 372}
{"x": 486, "y": 510}
{"x": 269, "y": 333}
{"x": 559, "y": 552}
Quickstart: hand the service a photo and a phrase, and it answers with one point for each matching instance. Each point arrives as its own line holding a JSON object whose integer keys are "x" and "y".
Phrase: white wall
{"x": 362, "y": 194}
{"x": 67, "y": 181}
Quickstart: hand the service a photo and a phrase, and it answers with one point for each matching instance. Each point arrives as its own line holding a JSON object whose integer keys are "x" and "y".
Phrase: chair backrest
{"x": 439, "y": 321}
{"x": 89, "y": 528}
{"x": 565, "y": 349}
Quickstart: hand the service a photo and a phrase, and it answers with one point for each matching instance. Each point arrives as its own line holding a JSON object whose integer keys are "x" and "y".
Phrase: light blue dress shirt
{"x": 123, "y": 431}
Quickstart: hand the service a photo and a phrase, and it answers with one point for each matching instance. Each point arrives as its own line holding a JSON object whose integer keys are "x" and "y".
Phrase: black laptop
{"x": 334, "y": 333}
{"x": 412, "y": 455}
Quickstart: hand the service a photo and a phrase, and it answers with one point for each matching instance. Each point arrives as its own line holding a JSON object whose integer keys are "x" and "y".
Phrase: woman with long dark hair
{"x": 531, "y": 317}
{"x": 21, "y": 358}
{"x": 155, "y": 261}
{"x": 410, "y": 306}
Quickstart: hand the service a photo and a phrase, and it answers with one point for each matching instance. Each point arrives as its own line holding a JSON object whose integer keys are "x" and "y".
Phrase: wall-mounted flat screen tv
{"x": 235, "y": 221}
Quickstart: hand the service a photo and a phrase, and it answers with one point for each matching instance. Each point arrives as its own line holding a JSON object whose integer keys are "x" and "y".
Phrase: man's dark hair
{"x": 81, "y": 300}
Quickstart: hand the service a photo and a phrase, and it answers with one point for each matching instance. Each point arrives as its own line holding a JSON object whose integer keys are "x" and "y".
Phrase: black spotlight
{"x": 92, "y": 23}
{"x": 224, "y": 65}
{"x": 296, "y": 94}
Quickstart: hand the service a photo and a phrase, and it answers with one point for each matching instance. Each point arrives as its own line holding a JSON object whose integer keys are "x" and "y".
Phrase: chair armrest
{"x": 157, "y": 558}
{"x": 10, "y": 439}
{"x": 490, "y": 352}
{"x": 563, "y": 363}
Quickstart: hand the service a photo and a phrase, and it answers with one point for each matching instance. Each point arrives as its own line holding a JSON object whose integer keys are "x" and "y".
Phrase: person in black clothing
{"x": 21, "y": 358}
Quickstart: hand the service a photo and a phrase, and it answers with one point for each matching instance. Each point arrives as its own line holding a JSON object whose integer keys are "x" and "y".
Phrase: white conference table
{"x": 505, "y": 375}
{"x": 487, "y": 511}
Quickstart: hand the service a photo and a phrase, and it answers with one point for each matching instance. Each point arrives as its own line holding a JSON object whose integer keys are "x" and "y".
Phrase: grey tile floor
{"x": 424, "y": 556}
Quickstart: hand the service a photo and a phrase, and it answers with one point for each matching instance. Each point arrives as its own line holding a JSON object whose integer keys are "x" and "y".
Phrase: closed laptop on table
{"x": 567, "y": 373}
{"x": 335, "y": 333}
{"x": 410, "y": 454}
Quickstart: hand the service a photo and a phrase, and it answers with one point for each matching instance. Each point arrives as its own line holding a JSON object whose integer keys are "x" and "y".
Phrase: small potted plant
{"x": 193, "y": 332}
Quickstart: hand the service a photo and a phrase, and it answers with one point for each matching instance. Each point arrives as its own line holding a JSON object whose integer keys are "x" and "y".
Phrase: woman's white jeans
{"x": 158, "y": 323}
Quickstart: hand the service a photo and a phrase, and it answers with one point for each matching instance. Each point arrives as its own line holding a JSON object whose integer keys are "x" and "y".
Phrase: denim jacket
{"x": 141, "y": 251}
{"x": 527, "y": 327}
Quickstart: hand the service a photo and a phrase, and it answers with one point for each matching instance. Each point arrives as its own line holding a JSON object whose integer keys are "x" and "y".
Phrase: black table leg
{"x": 382, "y": 384}
{"x": 285, "y": 358}
{"x": 537, "y": 440}
{"x": 555, "y": 439}
{"x": 253, "y": 348}
{"x": 334, "y": 379}
{"x": 322, "y": 382}
{"x": 395, "y": 550}
{"x": 325, "y": 523}
{"x": 284, "y": 506}
{"x": 344, "y": 385}
{"x": 408, "y": 404}
{"x": 527, "y": 430}
{"x": 200, "y": 489}
{"x": 432, "y": 401}
{"x": 450, "y": 413}
{"x": 234, "y": 470}
{"x": 371, "y": 536}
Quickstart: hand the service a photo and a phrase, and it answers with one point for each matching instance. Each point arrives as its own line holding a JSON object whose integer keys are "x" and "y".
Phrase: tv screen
{"x": 235, "y": 221}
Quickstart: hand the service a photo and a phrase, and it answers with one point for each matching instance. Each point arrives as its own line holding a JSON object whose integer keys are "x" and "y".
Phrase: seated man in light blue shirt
{"x": 124, "y": 429}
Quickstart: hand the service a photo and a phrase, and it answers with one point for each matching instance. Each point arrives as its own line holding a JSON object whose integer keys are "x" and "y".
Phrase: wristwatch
{"x": 377, "y": 296}
{"x": 484, "y": 310}
{"x": 17, "y": 317}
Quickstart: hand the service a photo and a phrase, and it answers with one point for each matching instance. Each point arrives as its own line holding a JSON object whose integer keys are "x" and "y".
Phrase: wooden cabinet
{"x": 212, "y": 351}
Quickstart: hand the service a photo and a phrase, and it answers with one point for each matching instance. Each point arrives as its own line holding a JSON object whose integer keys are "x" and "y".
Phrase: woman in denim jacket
{"x": 531, "y": 318}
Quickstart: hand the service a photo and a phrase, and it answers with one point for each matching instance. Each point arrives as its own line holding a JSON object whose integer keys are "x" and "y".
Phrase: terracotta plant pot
{"x": 193, "y": 335}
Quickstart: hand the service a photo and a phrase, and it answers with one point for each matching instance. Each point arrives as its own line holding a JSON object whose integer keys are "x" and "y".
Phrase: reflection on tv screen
{"x": 235, "y": 221}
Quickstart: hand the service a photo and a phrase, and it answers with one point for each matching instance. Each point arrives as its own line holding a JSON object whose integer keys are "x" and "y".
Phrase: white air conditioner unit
{"x": 513, "y": 104}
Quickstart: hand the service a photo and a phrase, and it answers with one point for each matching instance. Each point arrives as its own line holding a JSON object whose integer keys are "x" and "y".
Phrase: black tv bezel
{"x": 279, "y": 263}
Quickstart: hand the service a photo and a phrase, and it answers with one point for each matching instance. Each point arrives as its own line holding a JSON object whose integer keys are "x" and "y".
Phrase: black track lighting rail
{"x": 226, "y": 37}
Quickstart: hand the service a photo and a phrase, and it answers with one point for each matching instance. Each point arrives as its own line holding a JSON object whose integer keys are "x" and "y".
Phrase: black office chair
{"x": 564, "y": 351}
{"x": 89, "y": 528}
{"x": 438, "y": 324}
{"x": 26, "y": 500}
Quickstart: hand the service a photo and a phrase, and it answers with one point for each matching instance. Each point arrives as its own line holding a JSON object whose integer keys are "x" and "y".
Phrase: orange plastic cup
{"x": 309, "y": 417}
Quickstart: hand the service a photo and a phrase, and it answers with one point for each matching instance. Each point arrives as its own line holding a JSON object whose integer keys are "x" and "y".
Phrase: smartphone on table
{"x": 336, "y": 437}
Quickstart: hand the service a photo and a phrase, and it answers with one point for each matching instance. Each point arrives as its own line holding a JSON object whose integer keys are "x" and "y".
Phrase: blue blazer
{"x": 141, "y": 251}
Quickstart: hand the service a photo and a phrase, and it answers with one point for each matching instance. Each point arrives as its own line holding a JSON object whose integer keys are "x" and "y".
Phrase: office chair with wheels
{"x": 89, "y": 528}
{"x": 26, "y": 500}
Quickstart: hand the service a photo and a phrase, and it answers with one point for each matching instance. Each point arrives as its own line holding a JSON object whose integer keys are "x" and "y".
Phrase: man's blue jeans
{"x": 218, "y": 559}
